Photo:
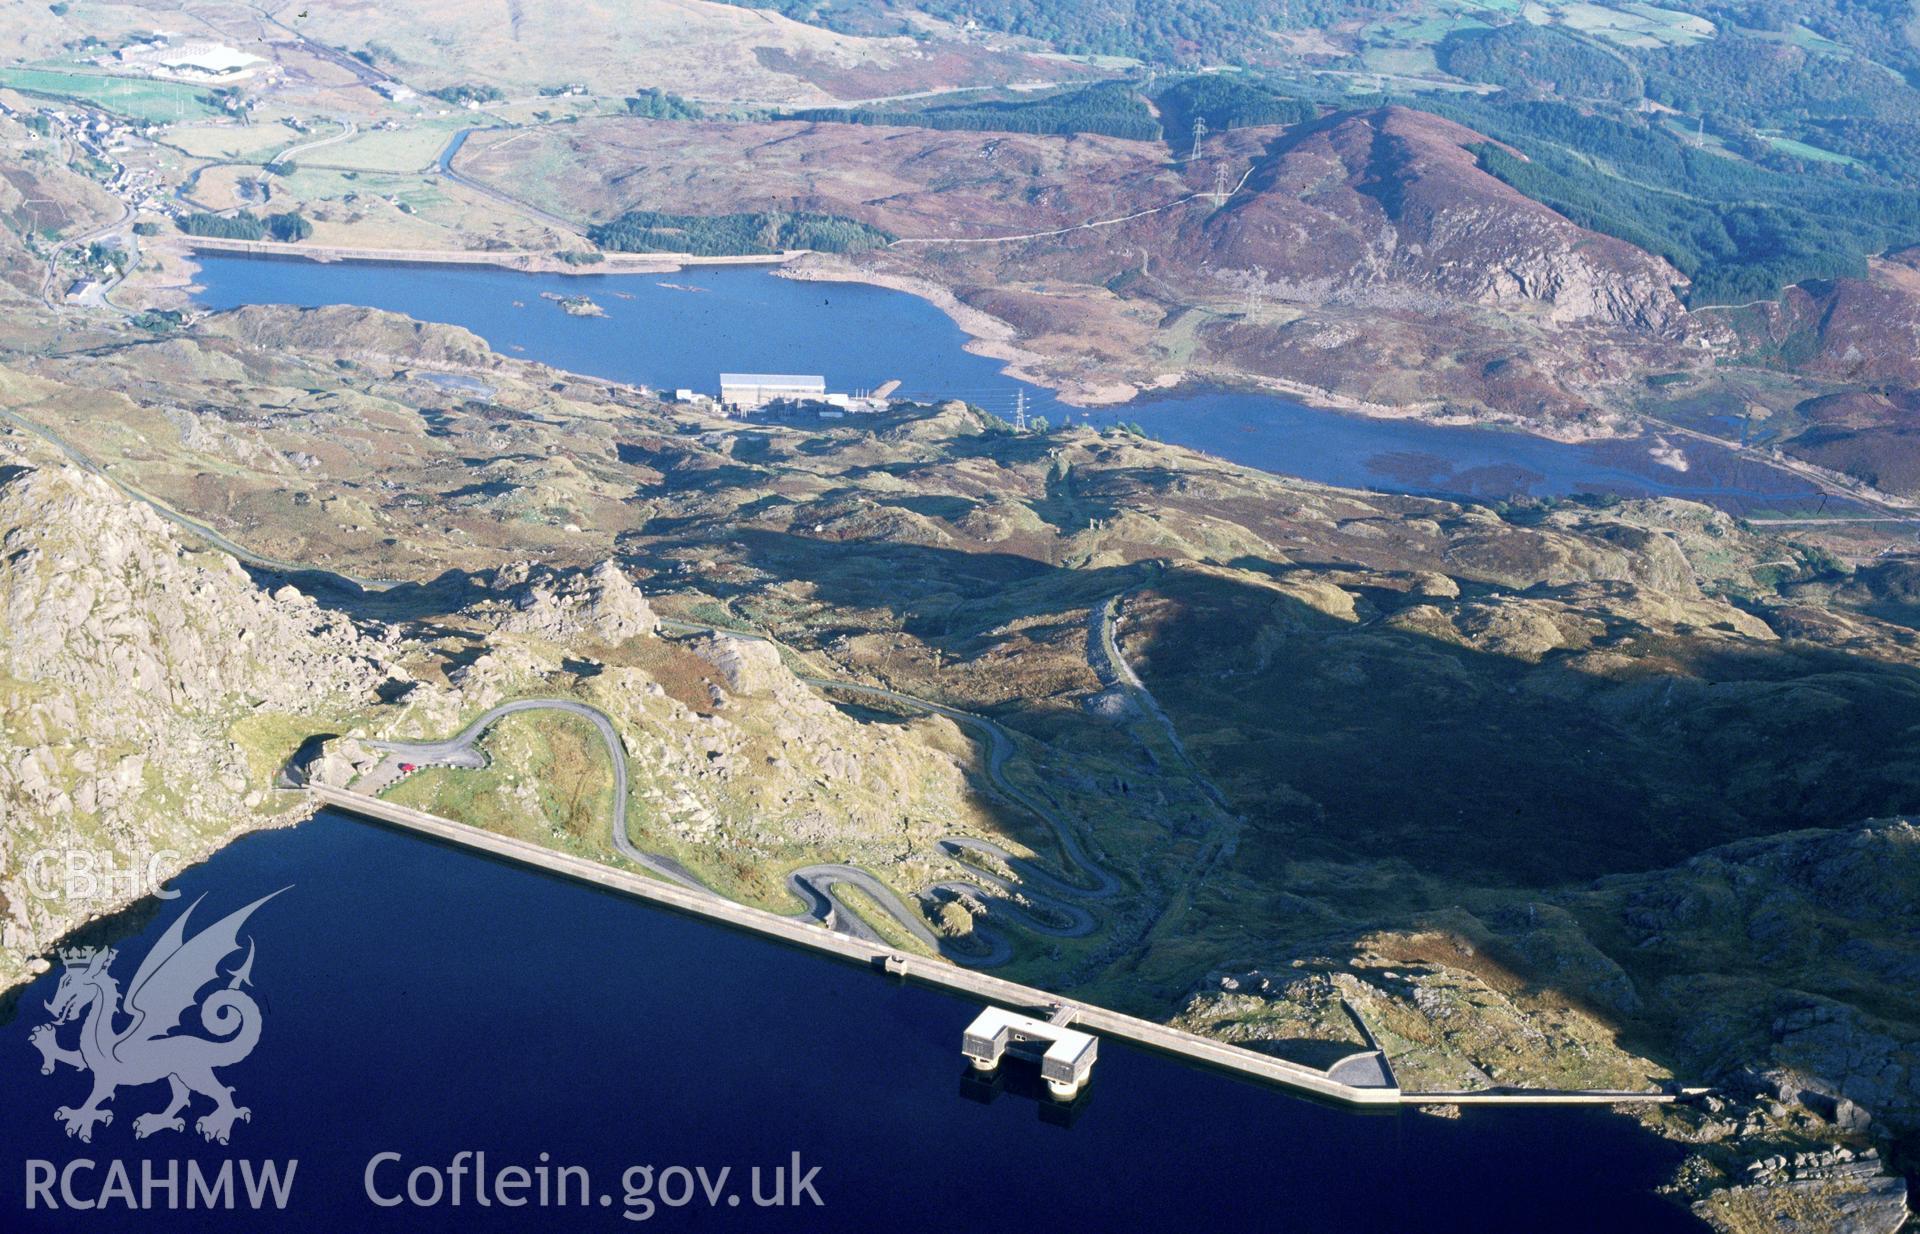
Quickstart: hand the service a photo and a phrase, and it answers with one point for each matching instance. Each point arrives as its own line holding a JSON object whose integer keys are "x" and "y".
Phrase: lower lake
{"x": 682, "y": 330}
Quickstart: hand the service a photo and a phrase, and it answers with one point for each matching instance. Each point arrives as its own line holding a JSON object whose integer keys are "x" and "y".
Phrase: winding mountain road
{"x": 347, "y": 129}
{"x": 1033, "y": 896}
{"x": 1017, "y": 901}
{"x": 460, "y": 751}
{"x": 817, "y": 886}
{"x": 1003, "y": 897}
{"x": 813, "y": 884}
{"x": 50, "y": 281}
{"x": 1000, "y": 748}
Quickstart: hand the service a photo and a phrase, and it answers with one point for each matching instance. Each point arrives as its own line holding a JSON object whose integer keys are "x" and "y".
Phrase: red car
{"x": 408, "y": 767}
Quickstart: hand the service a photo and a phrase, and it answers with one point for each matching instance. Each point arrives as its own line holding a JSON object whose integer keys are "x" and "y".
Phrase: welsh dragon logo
{"x": 135, "y": 1044}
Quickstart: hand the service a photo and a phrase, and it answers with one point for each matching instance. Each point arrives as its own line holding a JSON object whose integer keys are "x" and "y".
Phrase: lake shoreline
{"x": 534, "y": 261}
{"x": 180, "y": 289}
{"x": 995, "y": 339}
{"x": 988, "y": 336}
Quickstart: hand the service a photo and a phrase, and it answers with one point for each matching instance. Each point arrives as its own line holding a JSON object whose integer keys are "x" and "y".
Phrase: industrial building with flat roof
{"x": 748, "y": 391}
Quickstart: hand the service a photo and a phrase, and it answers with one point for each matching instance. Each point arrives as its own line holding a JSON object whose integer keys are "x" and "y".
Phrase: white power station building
{"x": 749, "y": 391}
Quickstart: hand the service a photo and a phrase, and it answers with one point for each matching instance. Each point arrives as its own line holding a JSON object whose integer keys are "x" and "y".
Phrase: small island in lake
{"x": 575, "y": 306}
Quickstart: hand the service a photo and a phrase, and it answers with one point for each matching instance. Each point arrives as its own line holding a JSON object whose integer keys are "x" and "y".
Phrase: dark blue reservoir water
{"x": 683, "y": 330}
{"x": 420, "y": 1000}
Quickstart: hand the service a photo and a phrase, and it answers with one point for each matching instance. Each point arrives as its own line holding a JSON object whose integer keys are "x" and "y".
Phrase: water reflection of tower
{"x": 1018, "y": 1081}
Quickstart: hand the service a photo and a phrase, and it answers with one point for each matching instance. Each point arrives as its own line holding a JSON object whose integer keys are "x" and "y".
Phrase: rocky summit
{"x": 602, "y": 603}
{"x": 148, "y": 686}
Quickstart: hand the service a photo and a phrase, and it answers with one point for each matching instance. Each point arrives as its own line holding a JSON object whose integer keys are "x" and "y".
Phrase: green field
{"x": 1801, "y": 37}
{"x": 232, "y": 140}
{"x": 136, "y": 98}
{"x": 1402, "y": 61}
{"x": 410, "y": 149}
{"x": 548, "y": 782}
{"x": 320, "y": 184}
{"x": 1813, "y": 154}
{"x": 1635, "y": 25}
{"x": 1433, "y": 29}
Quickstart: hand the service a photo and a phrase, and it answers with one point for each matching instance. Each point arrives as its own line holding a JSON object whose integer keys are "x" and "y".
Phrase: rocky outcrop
{"x": 1755, "y": 950}
{"x": 749, "y": 665}
{"x": 102, "y": 599}
{"x": 146, "y": 689}
{"x": 562, "y": 605}
{"x": 341, "y": 763}
{"x": 1833, "y": 1190}
{"x": 368, "y": 336}
{"x": 1762, "y": 949}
